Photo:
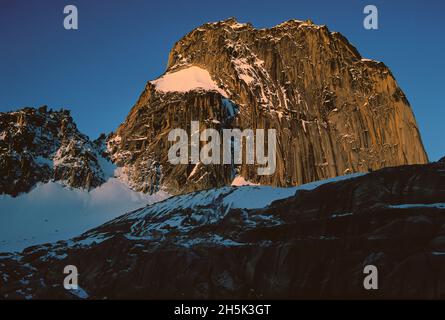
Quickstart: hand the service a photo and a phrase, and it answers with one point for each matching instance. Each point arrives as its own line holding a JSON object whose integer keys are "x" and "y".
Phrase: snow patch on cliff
{"x": 188, "y": 79}
{"x": 240, "y": 181}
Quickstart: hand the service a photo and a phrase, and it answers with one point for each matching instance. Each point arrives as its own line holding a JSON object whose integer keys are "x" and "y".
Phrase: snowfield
{"x": 52, "y": 212}
{"x": 186, "y": 212}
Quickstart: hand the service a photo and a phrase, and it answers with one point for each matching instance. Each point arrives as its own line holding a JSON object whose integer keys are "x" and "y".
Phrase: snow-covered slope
{"x": 185, "y": 213}
{"x": 55, "y": 182}
{"x": 52, "y": 212}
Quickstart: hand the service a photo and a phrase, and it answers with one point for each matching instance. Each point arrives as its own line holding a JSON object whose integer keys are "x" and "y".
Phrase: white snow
{"x": 80, "y": 293}
{"x": 249, "y": 197}
{"x": 109, "y": 168}
{"x": 188, "y": 79}
{"x": 238, "y": 25}
{"x": 214, "y": 238}
{"x": 303, "y": 124}
{"x": 195, "y": 170}
{"x": 52, "y": 212}
{"x": 263, "y": 196}
{"x": 245, "y": 70}
{"x": 240, "y": 181}
{"x": 41, "y": 161}
{"x": 88, "y": 241}
{"x": 245, "y": 197}
{"x": 186, "y": 212}
{"x": 339, "y": 215}
{"x": 418, "y": 205}
{"x": 369, "y": 60}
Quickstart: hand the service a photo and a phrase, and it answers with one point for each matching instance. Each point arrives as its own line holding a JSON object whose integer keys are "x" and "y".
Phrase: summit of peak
{"x": 294, "y": 23}
{"x": 291, "y": 22}
{"x": 231, "y": 22}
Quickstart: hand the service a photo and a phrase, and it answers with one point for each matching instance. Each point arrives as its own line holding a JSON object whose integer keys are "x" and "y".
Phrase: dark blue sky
{"x": 99, "y": 70}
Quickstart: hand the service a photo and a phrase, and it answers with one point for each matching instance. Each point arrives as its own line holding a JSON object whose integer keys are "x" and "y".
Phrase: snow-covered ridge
{"x": 184, "y": 213}
{"x": 187, "y": 79}
{"x": 245, "y": 197}
{"x": 69, "y": 212}
{"x": 418, "y": 205}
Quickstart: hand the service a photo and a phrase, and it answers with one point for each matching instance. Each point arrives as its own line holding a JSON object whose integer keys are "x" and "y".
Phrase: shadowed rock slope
{"x": 212, "y": 244}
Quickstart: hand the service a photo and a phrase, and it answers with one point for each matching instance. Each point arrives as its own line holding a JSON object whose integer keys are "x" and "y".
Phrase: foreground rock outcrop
{"x": 41, "y": 145}
{"x": 221, "y": 244}
{"x": 334, "y": 112}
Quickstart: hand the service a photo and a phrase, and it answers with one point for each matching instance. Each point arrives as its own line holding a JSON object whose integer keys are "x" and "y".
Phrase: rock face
{"x": 334, "y": 112}
{"x": 222, "y": 244}
{"x": 37, "y": 145}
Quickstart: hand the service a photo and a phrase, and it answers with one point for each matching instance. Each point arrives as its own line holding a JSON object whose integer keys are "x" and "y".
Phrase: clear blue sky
{"x": 99, "y": 70}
